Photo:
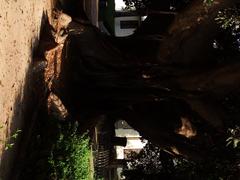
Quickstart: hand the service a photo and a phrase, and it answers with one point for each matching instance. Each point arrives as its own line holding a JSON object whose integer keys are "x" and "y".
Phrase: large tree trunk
{"x": 158, "y": 94}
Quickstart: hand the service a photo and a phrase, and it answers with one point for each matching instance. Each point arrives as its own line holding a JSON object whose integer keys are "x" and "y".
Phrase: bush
{"x": 70, "y": 156}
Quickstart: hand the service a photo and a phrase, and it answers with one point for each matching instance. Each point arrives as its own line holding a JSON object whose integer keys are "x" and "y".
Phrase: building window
{"x": 131, "y": 24}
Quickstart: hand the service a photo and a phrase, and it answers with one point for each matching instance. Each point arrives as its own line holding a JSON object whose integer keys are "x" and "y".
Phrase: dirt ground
{"x": 20, "y": 24}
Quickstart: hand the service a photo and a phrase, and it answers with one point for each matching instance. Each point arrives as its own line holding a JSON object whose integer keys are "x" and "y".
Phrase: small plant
{"x": 12, "y": 138}
{"x": 9, "y": 142}
{"x": 70, "y": 156}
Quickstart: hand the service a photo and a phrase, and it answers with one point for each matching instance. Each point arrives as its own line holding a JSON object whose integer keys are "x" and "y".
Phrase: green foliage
{"x": 70, "y": 156}
{"x": 151, "y": 163}
{"x": 208, "y": 2}
{"x": 211, "y": 169}
{"x": 156, "y": 4}
{"x": 229, "y": 18}
{"x": 9, "y": 142}
{"x": 229, "y": 21}
{"x": 147, "y": 160}
{"x": 138, "y": 4}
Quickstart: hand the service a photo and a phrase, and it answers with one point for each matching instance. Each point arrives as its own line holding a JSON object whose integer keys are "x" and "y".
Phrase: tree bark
{"x": 101, "y": 76}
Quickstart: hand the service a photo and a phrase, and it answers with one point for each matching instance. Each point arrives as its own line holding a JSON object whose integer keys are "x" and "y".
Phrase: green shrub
{"x": 70, "y": 156}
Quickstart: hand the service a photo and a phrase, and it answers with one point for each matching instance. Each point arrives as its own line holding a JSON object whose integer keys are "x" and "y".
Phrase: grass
{"x": 70, "y": 155}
